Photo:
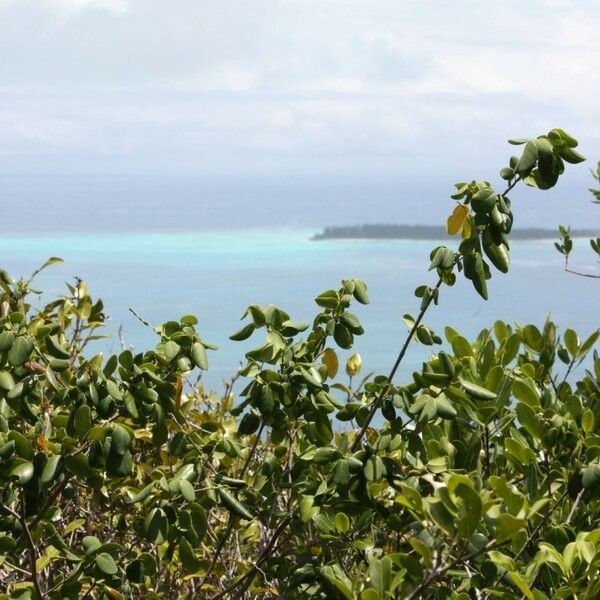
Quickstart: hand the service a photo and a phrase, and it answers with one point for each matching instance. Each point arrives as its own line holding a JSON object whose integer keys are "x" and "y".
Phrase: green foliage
{"x": 485, "y": 217}
{"x": 565, "y": 246}
{"x": 120, "y": 478}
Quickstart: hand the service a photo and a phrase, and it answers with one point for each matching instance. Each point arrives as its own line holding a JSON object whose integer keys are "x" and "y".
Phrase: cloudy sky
{"x": 333, "y": 87}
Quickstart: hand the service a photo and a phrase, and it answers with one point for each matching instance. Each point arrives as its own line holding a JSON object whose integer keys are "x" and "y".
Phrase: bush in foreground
{"x": 120, "y": 479}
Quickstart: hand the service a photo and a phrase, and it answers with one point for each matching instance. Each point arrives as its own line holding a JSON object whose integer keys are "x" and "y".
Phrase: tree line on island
{"x": 375, "y": 231}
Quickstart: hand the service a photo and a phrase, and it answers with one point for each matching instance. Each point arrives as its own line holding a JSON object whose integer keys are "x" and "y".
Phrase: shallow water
{"x": 216, "y": 274}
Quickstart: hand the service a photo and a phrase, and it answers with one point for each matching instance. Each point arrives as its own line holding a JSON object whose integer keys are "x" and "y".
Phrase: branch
{"x": 30, "y": 544}
{"x": 261, "y": 558}
{"x": 375, "y": 406}
{"x": 439, "y": 572}
{"x": 386, "y": 388}
{"x": 581, "y": 274}
{"x": 231, "y": 521}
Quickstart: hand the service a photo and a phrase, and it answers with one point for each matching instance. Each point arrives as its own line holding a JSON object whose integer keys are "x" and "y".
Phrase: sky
{"x": 414, "y": 89}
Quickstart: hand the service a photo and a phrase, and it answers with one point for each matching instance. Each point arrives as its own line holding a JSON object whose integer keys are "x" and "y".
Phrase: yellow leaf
{"x": 330, "y": 360}
{"x": 457, "y": 219}
{"x": 354, "y": 365}
{"x": 113, "y": 593}
{"x": 74, "y": 525}
{"x": 467, "y": 228}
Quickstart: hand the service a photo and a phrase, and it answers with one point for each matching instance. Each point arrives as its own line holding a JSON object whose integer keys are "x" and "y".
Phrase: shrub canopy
{"x": 121, "y": 477}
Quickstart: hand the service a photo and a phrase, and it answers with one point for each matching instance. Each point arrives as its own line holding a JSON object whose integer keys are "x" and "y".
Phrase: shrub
{"x": 121, "y": 479}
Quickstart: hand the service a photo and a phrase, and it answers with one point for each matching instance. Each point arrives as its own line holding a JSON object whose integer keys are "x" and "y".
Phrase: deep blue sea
{"x": 215, "y": 274}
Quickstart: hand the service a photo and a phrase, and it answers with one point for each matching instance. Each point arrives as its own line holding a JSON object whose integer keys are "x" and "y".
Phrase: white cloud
{"x": 114, "y": 6}
{"x": 298, "y": 85}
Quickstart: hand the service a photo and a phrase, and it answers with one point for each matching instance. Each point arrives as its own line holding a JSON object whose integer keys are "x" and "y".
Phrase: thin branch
{"x": 531, "y": 536}
{"x": 574, "y": 507}
{"x": 579, "y": 273}
{"x": 261, "y": 558}
{"x": 439, "y": 572}
{"x": 386, "y": 388}
{"x": 582, "y": 274}
{"x": 231, "y": 521}
{"x": 22, "y": 518}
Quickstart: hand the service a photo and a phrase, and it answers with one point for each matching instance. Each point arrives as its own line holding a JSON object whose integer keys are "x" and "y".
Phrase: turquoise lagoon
{"x": 216, "y": 274}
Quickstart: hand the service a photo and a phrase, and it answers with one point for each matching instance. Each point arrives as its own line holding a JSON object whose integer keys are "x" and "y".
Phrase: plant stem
{"x": 386, "y": 388}
{"x": 32, "y": 552}
{"x": 231, "y": 521}
{"x": 261, "y": 558}
{"x": 439, "y": 572}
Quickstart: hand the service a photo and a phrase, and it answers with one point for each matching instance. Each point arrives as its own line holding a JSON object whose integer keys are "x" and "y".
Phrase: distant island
{"x": 431, "y": 232}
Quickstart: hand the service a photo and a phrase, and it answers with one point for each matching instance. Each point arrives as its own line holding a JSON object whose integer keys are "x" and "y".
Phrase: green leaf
{"x": 428, "y": 407}
{"x": 360, "y": 292}
{"x": 53, "y": 260}
{"x": 7, "y": 382}
{"x": 328, "y": 299}
{"x": 587, "y": 421}
{"x": 22, "y": 444}
{"x": 507, "y": 526}
{"x": 233, "y": 506}
{"x": 199, "y": 356}
{"x": 243, "y": 334}
{"x": 529, "y": 420}
{"x": 141, "y": 495}
{"x": 187, "y": 490}
{"x": 113, "y": 389}
{"x": 156, "y": 526}
{"x": 20, "y": 350}
{"x": 522, "y": 585}
{"x": 335, "y": 577}
{"x": 589, "y": 343}
{"x": 83, "y": 420}
{"x": 571, "y": 342}
{"x": 171, "y": 349}
{"x": 140, "y": 568}
{"x": 380, "y": 575}
{"x": 526, "y": 391}
{"x": 106, "y": 563}
{"x": 50, "y": 470}
{"x": 460, "y": 346}
{"x": 442, "y": 517}
{"x": 7, "y": 544}
{"x": 307, "y": 508}
{"x": 470, "y": 505}
{"x": 188, "y": 557}
{"x": 20, "y": 470}
{"x": 591, "y": 477}
{"x": 571, "y": 156}
{"x": 342, "y": 522}
{"x": 6, "y": 340}
{"x": 120, "y": 440}
{"x": 90, "y": 544}
{"x": 342, "y": 336}
{"x": 528, "y": 158}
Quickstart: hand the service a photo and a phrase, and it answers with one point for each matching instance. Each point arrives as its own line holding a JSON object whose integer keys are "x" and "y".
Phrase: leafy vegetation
{"x": 123, "y": 478}
{"x": 565, "y": 246}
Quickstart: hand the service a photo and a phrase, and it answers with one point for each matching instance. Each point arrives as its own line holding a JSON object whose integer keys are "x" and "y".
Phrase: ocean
{"x": 215, "y": 274}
